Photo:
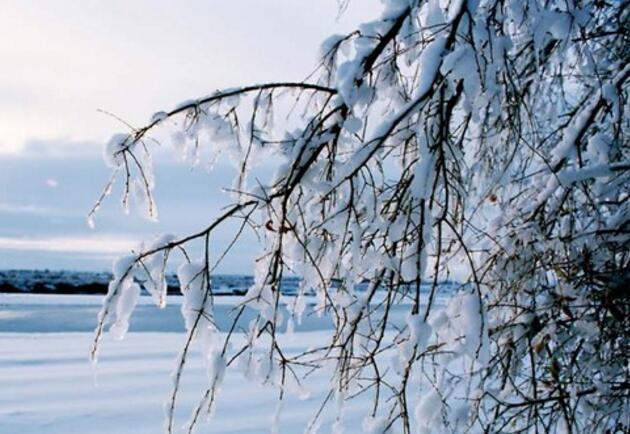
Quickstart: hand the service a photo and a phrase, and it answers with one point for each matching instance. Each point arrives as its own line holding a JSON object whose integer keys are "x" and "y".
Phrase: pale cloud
{"x": 51, "y": 183}
{"x": 59, "y": 147}
{"x": 66, "y": 59}
{"x": 107, "y": 245}
{"x": 63, "y": 60}
{"x": 30, "y": 209}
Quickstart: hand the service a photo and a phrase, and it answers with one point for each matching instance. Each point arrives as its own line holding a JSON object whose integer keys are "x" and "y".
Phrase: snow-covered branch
{"x": 478, "y": 142}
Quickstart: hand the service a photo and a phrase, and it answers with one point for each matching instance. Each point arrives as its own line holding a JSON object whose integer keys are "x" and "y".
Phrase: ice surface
{"x": 47, "y": 384}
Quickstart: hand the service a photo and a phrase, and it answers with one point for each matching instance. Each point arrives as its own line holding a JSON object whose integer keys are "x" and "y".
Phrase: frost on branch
{"x": 477, "y": 142}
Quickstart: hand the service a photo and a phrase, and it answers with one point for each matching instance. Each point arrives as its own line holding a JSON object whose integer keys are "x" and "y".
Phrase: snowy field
{"x": 48, "y": 386}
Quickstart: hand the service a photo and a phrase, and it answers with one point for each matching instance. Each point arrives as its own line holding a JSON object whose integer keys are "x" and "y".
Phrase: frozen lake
{"x": 47, "y": 384}
{"x": 33, "y": 313}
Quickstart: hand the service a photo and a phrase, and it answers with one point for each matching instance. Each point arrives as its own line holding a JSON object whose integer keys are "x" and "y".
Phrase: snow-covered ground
{"x": 47, "y": 384}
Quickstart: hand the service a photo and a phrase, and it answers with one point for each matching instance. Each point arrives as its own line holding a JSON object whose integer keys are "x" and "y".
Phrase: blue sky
{"x": 67, "y": 59}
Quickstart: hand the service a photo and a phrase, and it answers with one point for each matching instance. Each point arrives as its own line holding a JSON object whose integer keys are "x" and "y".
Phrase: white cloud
{"x": 65, "y": 59}
{"x": 30, "y": 209}
{"x": 103, "y": 244}
{"x": 51, "y": 183}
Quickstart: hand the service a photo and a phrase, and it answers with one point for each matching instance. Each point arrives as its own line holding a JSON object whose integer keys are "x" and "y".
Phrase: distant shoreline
{"x": 96, "y": 283}
{"x": 65, "y": 282}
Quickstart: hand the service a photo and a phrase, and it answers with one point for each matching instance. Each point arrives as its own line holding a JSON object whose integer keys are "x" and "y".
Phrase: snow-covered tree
{"x": 477, "y": 141}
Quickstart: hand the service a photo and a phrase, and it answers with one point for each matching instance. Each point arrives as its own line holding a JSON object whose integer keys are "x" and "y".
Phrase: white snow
{"x": 48, "y": 387}
{"x": 47, "y": 384}
{"x": 112, "y": 150}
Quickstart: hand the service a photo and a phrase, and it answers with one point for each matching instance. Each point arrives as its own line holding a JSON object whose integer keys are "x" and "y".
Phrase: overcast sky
{"x": 64, "y": 60}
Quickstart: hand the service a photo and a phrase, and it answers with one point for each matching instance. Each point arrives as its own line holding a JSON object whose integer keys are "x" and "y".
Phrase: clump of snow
{"x": 419, "y": 331}
{"x": 375, "y": 425}
{"x": 126, "y": 302}
{"x": 197, "y": 303}
{"x": 113, "y": 150}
